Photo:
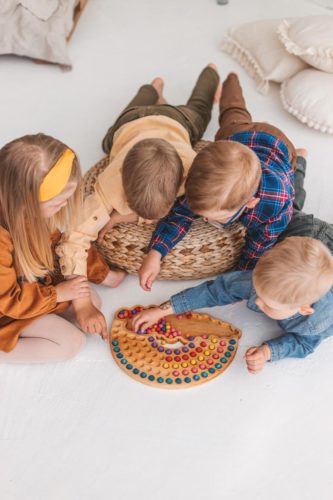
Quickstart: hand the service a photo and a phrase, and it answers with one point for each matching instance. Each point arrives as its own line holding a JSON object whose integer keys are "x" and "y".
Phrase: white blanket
{"x": 36, "y": 28}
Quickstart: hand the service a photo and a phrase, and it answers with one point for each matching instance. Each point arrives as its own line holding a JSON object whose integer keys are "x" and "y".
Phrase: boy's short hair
{"x": 152, "y": 174}
{"x": 297, "y": 271}
{"x": 223, "y": 176}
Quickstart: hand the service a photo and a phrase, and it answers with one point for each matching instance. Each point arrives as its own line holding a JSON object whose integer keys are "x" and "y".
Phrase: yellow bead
{"x": 163, "y": 342}
{"x": 193, "y": 362}
{"x": 214, "y": 340}
{"x": 206, "y": 353}
{"x": 201, "y": 358}
{"x": 184, "y": 364}
{"x": 175, "y": 365}
{"x": 211, "y": 347}
{"x": 166, "y": 365}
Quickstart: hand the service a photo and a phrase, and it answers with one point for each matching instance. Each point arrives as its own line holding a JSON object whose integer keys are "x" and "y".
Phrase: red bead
{"x": 168, "y": 358}
{"x": 193, "y": 354}
{"x": 198, "y": 349}
{"x": 203, "y": 344}
{"x": 185, "y": 357}
{"x": 177, "y": 358}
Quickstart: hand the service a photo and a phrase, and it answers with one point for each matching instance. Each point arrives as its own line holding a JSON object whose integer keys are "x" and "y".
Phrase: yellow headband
{"x": 57, "y": 178}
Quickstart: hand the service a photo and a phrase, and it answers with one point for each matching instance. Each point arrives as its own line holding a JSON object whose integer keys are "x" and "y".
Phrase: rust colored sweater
{"x": 22, "y": 302}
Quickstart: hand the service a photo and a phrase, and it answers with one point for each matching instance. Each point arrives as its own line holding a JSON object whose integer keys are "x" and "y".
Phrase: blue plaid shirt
{"x": 264, "y": 223}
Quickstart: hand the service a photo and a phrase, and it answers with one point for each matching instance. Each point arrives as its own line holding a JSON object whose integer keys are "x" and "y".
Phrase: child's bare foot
{"x": 218, "y": 92}
{"x": 256, "y": 358}
{"x": 158, "y": 85}
{"x": 114, "y": 278}
{"x": 302, "y": 152}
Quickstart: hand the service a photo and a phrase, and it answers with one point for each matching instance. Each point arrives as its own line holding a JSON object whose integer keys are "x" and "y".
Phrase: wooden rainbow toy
{"x": 179, "y": 351}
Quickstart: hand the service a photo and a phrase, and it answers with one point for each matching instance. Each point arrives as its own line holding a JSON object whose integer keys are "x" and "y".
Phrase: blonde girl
{"x": 39, "y": 198}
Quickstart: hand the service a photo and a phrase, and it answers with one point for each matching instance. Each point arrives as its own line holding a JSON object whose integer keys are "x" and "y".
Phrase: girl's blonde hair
{"x": 24, "y": 163}
{"x": 297, "y": 271}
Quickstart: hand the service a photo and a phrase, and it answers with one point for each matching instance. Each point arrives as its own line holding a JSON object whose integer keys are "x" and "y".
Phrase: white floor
{"x": 83, "y": 430}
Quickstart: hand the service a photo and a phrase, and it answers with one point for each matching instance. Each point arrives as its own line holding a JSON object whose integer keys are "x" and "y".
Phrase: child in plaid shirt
{"x": 245, "y": 175}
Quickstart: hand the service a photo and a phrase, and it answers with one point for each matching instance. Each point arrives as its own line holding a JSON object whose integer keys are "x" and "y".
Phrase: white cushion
{"x": 309, "y": 97}
{"x": 310, "y": 38}
{"x": 256, "y": 46}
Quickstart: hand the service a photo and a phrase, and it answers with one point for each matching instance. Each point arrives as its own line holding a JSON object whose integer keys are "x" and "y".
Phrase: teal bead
{"x": 116, "y": 349}
{"x": 115, "y": 342}
{"x": 143, "y": 374}
{"x": 204, "y": 374}
{"x": 211, "y": 370}
{"x": 227, "y": 354}
{"x": 129, "y": 366}
{"x": 160, "y": 380}
{"x": 196, "y": 377}
{"x": 136, "y": 371}
{"x": 178, "y": 381}
{"x": 231, "y": 348}
{"x": 168, "y": 380}
{"x": 151, "y": 378}
{"x": 187, "y": 380}
{"x": 233, "y": 341}
{"x": 223, "y": 360}
{"x": 218, "y": 366}
{"x": 120, "y": 355}
{"x": 123, "y": 361}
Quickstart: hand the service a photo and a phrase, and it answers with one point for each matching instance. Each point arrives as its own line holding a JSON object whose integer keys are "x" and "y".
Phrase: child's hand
{"x": 150, "y": 268}
{"x": 90, "y": 319}
{"x": 115, "y": 218}
{"x": 148, "y": 317}
{"x": 75, "y": 288}
{"x": 256, "y": 357}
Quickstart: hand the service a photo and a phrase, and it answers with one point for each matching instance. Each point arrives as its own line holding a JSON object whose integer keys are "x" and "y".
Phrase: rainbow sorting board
{"x": 177, "y": 352}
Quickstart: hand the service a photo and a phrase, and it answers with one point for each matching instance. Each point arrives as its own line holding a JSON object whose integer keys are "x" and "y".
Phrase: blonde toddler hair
{"x": 223, "y": 176}
{"x": 152, "y": 174}
{"x": 24, "y": 163}
{"x": 298, "y": 271}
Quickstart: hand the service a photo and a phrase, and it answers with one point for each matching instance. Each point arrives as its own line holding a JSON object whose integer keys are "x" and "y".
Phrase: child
{"x": 39, "y": 193}
{"x": 245, "y": 175}
{"x": 150, "y": 148}
{"x": 292, "y": 283}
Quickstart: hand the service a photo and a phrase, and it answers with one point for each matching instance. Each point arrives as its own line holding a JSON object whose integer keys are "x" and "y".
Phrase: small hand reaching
{"x": 72, "y": 289}
{"x": 149, "y": 270}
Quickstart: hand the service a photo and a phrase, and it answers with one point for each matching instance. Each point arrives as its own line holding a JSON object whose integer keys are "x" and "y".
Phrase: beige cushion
{"x": 309, "y": 97}
{"x": 310, "y": 38}
{"x": 256, "y": 46}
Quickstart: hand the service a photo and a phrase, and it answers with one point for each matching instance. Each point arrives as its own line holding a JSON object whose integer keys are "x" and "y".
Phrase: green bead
{"x": 160, "y": 380}
{"x": 232, "y": 341}
{"x": 151, "y": 378}
{"x": 123, "y": 361}
{"x": 115, "y": 342}
{"x": 143, "y": 374}
{"x": 211, "y": 370}
{"x": 196, "y": 377}
{"x": 120, "y": 355}
{"x": 129, "y": 366}
{"x": 223, "y": 360}
{"x": 178, "y": 380}
{"x": 231, "y": 348}
{"x": 218, "y": 365}
{"x": 227, "y": 354}
{"x": 204, "y": 374}
{"x": 187, "y": 380}
{"x": 168, "y": 380}
{"x": 116, "y": 349}
{"x": 136, "y": 371}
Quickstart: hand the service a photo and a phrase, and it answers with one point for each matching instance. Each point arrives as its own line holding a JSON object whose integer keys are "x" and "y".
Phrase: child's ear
{"x": 306, "y": 310}
{"x": 253, "y": 203}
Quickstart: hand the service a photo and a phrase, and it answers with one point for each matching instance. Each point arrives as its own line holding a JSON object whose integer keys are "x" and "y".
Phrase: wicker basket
{"x": 205, "y": 250}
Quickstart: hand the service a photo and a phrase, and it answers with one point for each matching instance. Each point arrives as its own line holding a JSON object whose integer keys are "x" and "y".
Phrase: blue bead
{"x": 187, "y": 380}
{"x": 129, "y": 366}
{"x": 168, "y": 380}
{"x": 231, "y": 348}
{"x": 228, "y": 354}
{"x": 223, "y": 360}
{"x": 204, "y": 374}
{"x": 211, "y": 370}
{"x": 116, "y": 349}
{"x": 143, "y": 374}
{"x": 136, "y": 371}
{"x": 123, "y": 361}
{"x": 178, "y": 380}
{"x": 115, "y": 342}
{"x": 218, "y": 365}
{"x": 232, "y": 341}
{"x": 151, "y": 378}
{"x": 196, "y": 377}
{"x": 134, "y": 311}
{"x": 160, "y": 380}
{"x": 120, "y": 355}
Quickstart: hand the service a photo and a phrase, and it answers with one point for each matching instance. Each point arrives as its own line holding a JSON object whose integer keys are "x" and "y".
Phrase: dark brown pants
{"x": 234, "y": 117}
{"x": 194, "y": 115}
